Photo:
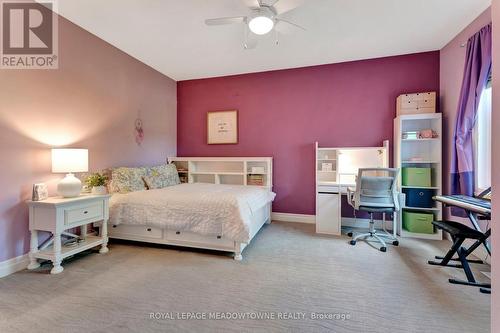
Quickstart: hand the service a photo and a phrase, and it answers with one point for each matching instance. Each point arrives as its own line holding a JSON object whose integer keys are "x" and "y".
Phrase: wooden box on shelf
{"x": 416, "y": 103}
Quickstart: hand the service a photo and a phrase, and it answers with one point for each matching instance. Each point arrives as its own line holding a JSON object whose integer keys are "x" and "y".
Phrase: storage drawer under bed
{"x": 141, "y": 231}
{"x": 194, "y": 238}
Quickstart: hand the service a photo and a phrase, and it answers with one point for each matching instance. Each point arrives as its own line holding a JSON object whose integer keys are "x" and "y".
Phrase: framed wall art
{"x": 222, "y": 127}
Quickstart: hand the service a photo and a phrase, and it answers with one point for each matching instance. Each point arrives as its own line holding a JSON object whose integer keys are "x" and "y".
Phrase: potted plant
{"x": 97, "y": 182}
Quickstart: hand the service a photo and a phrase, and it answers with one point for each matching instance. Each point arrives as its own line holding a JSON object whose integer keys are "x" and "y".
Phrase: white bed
{"x": 210, "y": 216}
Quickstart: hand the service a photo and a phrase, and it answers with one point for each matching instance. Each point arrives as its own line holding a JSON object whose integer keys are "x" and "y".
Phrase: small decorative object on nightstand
{"x": 40, "y": 192}
{"x": 97, "y": 183}
{"x": 56, "y": 215}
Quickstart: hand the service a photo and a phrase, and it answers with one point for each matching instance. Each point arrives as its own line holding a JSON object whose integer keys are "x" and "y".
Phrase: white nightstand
{"x": 58, "y": 214}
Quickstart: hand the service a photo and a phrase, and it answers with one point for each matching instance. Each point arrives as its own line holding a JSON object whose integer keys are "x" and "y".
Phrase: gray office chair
{"x": 375, "y": 193}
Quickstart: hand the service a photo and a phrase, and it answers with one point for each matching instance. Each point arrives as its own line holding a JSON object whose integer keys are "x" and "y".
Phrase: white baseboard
{"x": 13, "y": 265}
{"x": 351, "y": 222}
{"x": 311, "y": 219}
{"x": 297, "y": 218}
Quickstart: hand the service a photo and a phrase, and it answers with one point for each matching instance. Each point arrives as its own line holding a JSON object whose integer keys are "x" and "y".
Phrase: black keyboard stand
{"x": 459, "y": 233}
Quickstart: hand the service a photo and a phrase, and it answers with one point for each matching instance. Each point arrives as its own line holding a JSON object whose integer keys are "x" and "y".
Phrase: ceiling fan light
{"x": 261, "y": 25}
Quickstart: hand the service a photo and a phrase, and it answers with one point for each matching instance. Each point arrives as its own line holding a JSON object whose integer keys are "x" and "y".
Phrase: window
{"x": 482, "y": 141}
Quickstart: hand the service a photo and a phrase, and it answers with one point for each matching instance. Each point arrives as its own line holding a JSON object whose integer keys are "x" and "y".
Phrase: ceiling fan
{"x": 265, "y": 17}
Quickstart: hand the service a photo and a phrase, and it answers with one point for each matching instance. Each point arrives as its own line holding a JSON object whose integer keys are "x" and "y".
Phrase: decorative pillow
{"x": 126, "y": 180}
{"x": 162, "y": 176}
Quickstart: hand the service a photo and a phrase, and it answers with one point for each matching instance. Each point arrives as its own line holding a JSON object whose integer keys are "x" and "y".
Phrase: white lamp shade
{"x": 66, "y": 160}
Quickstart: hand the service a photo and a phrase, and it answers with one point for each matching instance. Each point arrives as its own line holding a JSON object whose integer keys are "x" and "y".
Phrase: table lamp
{"x": 69, "y": 160}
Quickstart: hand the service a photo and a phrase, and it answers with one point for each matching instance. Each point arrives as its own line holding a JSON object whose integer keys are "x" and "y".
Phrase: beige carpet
{"x": 287, "y": 270}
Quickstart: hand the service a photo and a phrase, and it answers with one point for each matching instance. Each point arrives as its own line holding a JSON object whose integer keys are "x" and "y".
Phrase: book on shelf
{"x": 255, "y": 180}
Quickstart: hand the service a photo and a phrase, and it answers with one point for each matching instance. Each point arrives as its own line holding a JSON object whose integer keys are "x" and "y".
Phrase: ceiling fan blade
{"x": 249, "y": 39}
{"x": 282, "y": 25}
{"x": 252, "y": 3}
{"x": 250, "y": 44}
{"x": 283, "y": 6}
{"x": 225, "y": 20}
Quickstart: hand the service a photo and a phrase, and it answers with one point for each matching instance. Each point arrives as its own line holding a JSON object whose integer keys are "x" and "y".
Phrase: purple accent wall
{"x": 282, "y": 113}
{"x": 91, "y": 101}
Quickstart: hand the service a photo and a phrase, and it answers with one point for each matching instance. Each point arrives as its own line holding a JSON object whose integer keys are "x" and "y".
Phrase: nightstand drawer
{"x": 83, "y": 213}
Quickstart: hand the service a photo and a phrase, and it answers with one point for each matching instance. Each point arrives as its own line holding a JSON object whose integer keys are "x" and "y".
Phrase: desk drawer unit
{"x": 93, "y": 211}
{"x": 328, "y": 217}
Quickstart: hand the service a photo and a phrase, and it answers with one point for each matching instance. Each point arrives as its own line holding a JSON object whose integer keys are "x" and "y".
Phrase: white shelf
{"x": 423, "y": 140}
{"x": 421, "y": 116}
{"x": 422, "y": 209}
{"x": 422, "y": 187}
{"x": 421, "y": 162}
{"x": 222, "y": 173}
{"x": 224, "y": 170}
{"x": 435, "y": 236}
{"x": 328, "y": 183}
{"x": 66, "y": 251}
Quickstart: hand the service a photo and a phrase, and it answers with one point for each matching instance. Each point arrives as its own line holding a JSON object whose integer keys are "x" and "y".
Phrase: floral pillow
{"x": 162, "y": 176}
{"x": 126, "y": 180}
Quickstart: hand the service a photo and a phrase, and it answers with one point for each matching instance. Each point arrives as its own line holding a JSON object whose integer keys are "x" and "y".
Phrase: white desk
{"x": 329, "y": 208}
{"x": 336, "y": 170}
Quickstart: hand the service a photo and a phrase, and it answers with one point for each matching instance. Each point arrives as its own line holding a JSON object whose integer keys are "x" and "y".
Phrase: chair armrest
{"x": 350, "y": 197}
{"x": 399, "y": 201}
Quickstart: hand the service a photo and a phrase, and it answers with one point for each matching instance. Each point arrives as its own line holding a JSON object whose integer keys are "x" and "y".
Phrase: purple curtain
{"x": 476, "y": 73}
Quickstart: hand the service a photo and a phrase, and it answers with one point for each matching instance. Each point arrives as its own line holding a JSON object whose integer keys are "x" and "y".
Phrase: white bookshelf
{"x": 224, "y": 170}
{"x": 429, "y": 154}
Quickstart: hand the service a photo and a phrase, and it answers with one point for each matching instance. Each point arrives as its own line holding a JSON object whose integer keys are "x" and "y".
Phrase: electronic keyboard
{"x": 473, "y": 204}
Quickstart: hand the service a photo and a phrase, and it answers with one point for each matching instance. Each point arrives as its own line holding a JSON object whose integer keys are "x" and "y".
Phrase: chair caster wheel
{"x": 383, "y": 249}
{"x": 395, "y": 243}
{"x": 349, "y": 234}
{"x": 353, "y": 242}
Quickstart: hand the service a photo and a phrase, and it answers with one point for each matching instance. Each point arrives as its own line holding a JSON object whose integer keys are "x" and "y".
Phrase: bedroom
{"x": 149, "y": 84}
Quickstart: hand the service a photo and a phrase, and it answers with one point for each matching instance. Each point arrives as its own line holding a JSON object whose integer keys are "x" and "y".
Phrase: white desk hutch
{"x": 336, "y": 170}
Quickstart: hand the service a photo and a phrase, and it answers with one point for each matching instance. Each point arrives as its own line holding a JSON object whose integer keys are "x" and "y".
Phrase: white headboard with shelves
{"x": 248, "y": 171}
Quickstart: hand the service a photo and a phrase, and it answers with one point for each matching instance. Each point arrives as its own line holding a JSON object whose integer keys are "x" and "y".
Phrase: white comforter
{"x": 208, "y": 209}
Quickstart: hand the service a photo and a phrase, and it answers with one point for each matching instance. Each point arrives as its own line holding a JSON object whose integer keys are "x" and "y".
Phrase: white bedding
{"x": 209, "y": 209}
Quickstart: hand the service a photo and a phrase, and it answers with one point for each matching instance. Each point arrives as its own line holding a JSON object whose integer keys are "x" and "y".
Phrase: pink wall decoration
{"x": 282, "y": 113}
{"x": 139, "y": 131}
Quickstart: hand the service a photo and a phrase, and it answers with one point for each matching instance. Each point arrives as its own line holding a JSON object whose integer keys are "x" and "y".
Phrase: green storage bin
{"x": 420, "y": 223}
{"x": 416, "y": 177}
